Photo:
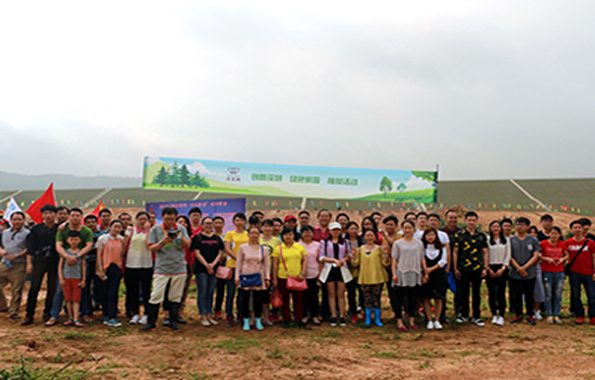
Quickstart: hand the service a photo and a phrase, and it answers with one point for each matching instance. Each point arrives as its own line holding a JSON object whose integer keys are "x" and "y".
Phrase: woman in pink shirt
{"x": 252, "y": 258}
{"x": 312, "y": 270}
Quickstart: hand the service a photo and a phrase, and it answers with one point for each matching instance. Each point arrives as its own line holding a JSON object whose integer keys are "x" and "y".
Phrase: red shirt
{"x": 552, "y": 252}
{"x": 320, "y": 234}
{"x": 584, "y": 263}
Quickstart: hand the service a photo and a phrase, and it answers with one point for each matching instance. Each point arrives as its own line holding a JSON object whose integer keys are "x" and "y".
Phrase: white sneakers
{"x": 143, "y": 320}
{"x": 434, "y": 325}
{"x": 538, "y": 315}
{"x": 212, "y": 321}
{"x": 498, "y": 321}
{"x": 477, "y": 322}
{"x": 134, "y": 319}
{"x": 205, "y": 322}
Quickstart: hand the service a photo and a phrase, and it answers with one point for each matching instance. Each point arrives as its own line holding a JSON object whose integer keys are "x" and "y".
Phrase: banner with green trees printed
{"x": 290, "y": 180}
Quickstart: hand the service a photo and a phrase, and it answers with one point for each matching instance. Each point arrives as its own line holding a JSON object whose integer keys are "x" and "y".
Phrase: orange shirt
{"x": 111, "y": 250}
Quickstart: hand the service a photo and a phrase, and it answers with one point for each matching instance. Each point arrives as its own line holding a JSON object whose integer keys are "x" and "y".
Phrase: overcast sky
{"x": 487, "y": 90}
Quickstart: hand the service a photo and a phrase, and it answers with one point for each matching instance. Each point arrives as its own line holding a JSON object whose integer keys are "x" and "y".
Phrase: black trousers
{"x": 257, "y": 301}
{"x": 470, "y": 280}
{"x": 137, "y": 280}
{"x": 42, "y": 266}
{"x": 310, "y": 300}
{"x": 405, "y": 298}
{"x": 497, "y": 291}
{"x": 518, "y": 289}
{"x": 352, "y": 288}
{"x": 220, "y": 289}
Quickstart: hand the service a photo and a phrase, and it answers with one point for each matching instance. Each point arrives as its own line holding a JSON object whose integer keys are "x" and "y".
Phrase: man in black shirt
{"x": 42, "y": 258}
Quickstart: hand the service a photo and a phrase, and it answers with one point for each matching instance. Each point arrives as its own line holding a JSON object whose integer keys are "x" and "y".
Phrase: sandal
{"x": 413, "y": 327}
{"x": 78, "y": 324}
{"x": 51, "y": 322}
{"x": 403, "y": 328}
{"x": 69, "y": 322}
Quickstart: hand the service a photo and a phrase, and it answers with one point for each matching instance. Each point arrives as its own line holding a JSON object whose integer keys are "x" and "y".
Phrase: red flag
{"x": 46, "y": 198}
{"x": 99, "y": 207}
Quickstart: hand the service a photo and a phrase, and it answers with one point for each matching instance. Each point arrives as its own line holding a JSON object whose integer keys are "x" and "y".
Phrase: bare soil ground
{"x": 562, "y": 351}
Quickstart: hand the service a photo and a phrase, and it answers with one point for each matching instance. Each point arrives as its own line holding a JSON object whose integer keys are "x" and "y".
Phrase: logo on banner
{"x": 233, "y": 174}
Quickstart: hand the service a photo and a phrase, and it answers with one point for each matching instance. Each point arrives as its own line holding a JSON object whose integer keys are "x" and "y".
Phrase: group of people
{"x": 280, "y": 268}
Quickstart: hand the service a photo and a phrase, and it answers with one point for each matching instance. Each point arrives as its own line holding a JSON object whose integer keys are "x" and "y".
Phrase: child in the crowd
{"x": 435, "y": 288}
{"x": 110, "y": 249}
{"x": 72, "y": 280}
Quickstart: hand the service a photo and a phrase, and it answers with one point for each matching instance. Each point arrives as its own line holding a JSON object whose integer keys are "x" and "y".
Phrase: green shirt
{"x": 86, "y": 237}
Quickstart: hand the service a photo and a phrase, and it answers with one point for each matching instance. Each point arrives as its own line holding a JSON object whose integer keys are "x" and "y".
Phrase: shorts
{"x": 72, "y": 290}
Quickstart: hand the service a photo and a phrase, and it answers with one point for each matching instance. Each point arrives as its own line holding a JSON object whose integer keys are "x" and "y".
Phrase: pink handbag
{"x": 224, "y": 273}
{"x": 293, "y": 283}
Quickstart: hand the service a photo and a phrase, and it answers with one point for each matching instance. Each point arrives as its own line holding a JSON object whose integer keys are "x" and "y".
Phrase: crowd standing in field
{"x": 271, "y": 270}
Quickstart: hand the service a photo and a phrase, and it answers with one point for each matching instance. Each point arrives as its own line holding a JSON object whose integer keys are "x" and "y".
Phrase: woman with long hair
{"x": 499, "y": 260}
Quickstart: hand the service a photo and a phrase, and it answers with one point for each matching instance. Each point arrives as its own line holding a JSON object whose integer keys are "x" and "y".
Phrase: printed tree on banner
{"x": 426, "y": 176}
{"x": 198, "y": 181}
{"x": 184, "y": 176}
{"x": 386, "y": 185}
{"x": 401, "y": 187}
{"x": 161, "y": 177}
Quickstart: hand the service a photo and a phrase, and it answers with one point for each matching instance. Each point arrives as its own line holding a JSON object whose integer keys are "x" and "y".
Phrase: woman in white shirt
{"x": 499, "y": 259}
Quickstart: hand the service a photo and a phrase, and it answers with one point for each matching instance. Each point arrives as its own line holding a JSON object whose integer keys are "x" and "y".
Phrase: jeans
{"x": 92, "y": 292}
{"x": 57, "y": 302}
{"x": 576, "y": 280}
{"x": 468, "y": 280}
{"x": 41, "y": 266}
{"x": 205, "y": 285}
{"x": 112, "y": 284}
{"x": 520, "y": 289}
{"x": 553, "y": 283}
{"x": 231, "y": 291}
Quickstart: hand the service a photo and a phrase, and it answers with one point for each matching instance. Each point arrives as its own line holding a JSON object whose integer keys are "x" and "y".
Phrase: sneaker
{"x": 437, "y": 325}
{"x": 342, "y": 322}
{"x": 143, "y": 320}
{"x": 550, "y": 320}
{"x": 134, "y": 319}
{"x": 557, "y": 320}
{"x": 230, "y": 322}
{"x": 218, "y": 315}
{"x": 517, "y": 320}
{"x": 500, "y": 321}
{"x": 205, "y": 322}
{"x": 477, "y": 322}
{"x": 213, "y": 321}
{"x": 316, "y": 321}
{"x": 580, "y": 320}
{"x": 495, "y": 320}
{"x": 354, "y": 319}
{"x": 592, "y": 321}
{"x": 531, "y": 321}
{"x": 461, "y": 320}
{"x": 537, "y": 315}
{"x": 430, "y": 325}
{"x": 333, "y": 322}
{"x": 112, "y": 323}
{"x": 166, "y": 322}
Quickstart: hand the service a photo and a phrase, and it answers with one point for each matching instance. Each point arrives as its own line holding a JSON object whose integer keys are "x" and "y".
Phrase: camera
{"x": 172, "y": 235}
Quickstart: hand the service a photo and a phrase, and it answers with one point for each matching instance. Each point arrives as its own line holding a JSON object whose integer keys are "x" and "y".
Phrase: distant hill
{"x": 12, "y": 181}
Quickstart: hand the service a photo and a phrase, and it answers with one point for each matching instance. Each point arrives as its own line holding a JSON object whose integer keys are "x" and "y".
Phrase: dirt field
{"x": 564, "y": 351}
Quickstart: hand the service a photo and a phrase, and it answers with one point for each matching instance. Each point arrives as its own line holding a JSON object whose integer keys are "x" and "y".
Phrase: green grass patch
{"x": 235, "y": 345}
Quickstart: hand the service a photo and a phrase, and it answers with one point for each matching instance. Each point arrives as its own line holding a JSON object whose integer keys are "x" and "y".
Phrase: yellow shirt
{"x": 236, "y": 240}
{"x": 271, "y": 244}
{"x": 293, "y": 259}
{"x": 372, "y": 266}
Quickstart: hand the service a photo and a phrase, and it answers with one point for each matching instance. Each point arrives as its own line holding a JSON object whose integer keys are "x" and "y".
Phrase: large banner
{"x": 225, "y": 208}
{"x": 290, "y": 180}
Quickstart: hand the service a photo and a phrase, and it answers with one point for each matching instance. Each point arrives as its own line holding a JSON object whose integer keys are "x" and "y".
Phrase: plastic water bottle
{"x": 8, "y": 263}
